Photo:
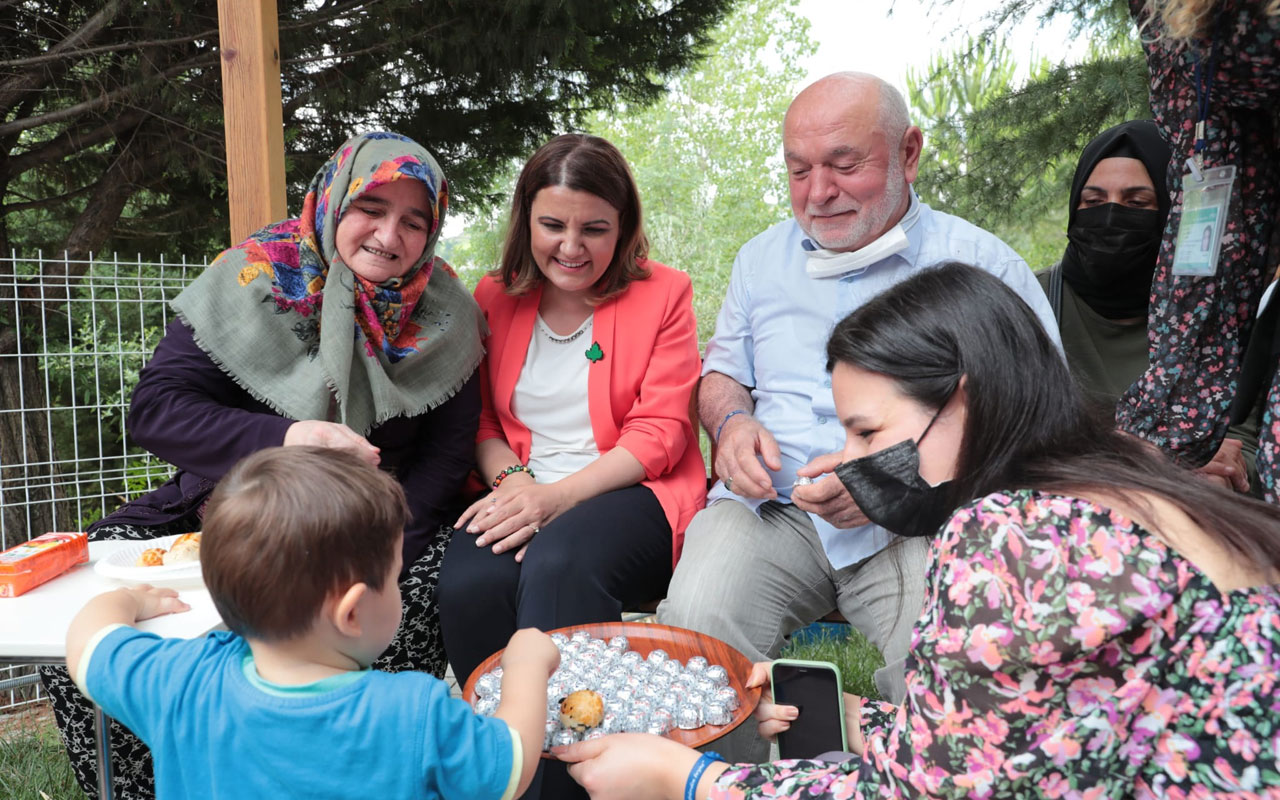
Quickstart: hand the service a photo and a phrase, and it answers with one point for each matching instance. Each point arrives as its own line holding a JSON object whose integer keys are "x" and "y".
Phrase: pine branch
{"x": 102, "y": 101}
{"x": 34, "y": 79}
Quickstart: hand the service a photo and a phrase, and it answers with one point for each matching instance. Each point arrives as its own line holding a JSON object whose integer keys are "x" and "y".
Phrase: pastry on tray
{"x": 582, "y": 710}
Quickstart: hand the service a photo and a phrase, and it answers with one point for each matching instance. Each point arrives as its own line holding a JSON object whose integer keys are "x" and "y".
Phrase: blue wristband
{"x": 700, "y": 766}
{"x": 728, "y": 417}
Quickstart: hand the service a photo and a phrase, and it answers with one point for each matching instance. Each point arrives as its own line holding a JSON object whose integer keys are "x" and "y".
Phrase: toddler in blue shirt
{"x": 300, "y": 552}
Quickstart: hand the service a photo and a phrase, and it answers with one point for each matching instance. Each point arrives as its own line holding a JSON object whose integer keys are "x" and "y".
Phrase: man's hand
{"x": 827, "y": 497}
{"x": 1227, "y": 468}
{"x": 331, "y": 434}
{"x": 742, "y": 444}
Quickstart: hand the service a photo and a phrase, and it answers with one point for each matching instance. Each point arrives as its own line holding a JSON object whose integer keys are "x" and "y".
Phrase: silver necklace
{"x": 546, "y": 331}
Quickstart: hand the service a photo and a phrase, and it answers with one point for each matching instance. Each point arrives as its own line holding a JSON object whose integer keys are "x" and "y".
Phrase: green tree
{"x": 111, "y": 130}
{"x": 707, "y": 157}
{"x": 110, "y": 111}
{"x": 1000, "y": 151}
{"x": 1006, "y": 150}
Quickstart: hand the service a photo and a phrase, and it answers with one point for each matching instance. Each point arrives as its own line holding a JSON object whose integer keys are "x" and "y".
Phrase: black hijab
{"x": 1112, "y": 249}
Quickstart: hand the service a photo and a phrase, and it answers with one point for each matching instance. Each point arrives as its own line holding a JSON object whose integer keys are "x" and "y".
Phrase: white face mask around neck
{"x": 824, "y": 263}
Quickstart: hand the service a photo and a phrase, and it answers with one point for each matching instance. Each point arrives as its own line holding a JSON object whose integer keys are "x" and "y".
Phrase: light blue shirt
{"x": 772, "y": 334}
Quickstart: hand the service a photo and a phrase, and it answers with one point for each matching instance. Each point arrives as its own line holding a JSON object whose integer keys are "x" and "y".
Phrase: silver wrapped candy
{"x": 660, "y": 722}
{"x": 635, "y": 722}
{"x": 619, "y": 643}
{"x": 594, "y": 733}
{"x": 696, "y": 664}
{"x": 488, "y": 684}
{"x": 580, "y": 637}
{"x": 553, "y": 727}
{"x": 726, "y": 696}
{"x": 714, "y": 713}
{"x": 487, "y": 706}
{"x": 688, "y": 717}
{"x": 657, "y": 656}
{"x": 563, "y": 737}
{"x": 718, "y": 675}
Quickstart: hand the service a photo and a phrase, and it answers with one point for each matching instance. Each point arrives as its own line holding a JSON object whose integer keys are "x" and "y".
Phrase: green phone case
{"x": 844, "y": 734}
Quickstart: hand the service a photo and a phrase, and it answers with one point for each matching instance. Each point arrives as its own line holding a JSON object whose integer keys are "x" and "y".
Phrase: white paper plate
{"x": 120, "y": 566}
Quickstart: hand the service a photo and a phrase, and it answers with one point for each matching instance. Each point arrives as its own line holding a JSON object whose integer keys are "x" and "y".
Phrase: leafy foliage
{"x": 707, "y": 157}
{"x": 111, "y": 110}
{"x": 1000, "y": 152}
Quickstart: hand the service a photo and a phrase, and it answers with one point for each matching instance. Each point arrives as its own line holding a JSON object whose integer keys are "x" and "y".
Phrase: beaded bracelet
{"x": 728, "y": 417}
{"x": 700, "y": 766}
{"x": 511, "y": 470}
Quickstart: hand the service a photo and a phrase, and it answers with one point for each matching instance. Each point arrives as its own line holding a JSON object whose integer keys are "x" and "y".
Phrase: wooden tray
{"x": 678, "y": 643}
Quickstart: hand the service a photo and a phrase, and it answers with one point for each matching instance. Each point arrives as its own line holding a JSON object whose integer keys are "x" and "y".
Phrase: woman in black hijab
{"x": 1099, "y": 291}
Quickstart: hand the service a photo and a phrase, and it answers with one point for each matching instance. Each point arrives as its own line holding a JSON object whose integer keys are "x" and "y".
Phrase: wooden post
{"x": 251, "y": 106}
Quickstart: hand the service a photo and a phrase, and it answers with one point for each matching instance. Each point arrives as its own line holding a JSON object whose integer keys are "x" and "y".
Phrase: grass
{"x": 33, "y": 764}
{"x": 856, "y": 657}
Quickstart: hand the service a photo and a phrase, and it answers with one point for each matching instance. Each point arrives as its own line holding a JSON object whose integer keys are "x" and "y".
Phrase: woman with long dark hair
{"x": 1097, "y": 620}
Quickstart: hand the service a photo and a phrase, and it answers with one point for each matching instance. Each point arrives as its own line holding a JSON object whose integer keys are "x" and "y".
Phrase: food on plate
{"x": 152, "y": 557}
{"x": 582, "y": 710}
{"x": 185, "y": 549}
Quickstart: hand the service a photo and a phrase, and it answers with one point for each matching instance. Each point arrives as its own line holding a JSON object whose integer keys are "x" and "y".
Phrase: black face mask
{"x": 1111, "y": 257}
{"x": 887, "y": 486}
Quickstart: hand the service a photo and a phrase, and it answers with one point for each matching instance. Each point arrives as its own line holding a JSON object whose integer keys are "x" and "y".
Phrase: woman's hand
{"x": 319, "y": 433}
{"x": 634, "y": 766}
{"x": 1227, "y": 468}
{"x": 509, "y": 517}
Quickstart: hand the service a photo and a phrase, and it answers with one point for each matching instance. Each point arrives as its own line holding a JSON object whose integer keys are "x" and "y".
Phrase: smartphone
{"x": 814, "y": 688}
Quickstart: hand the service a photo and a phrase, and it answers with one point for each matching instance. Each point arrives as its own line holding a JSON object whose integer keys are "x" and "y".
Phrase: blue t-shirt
{"x": 216, "y": 729}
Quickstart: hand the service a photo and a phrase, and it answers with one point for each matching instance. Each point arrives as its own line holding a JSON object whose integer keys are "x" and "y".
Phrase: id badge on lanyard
{"x": 1206, "y": 193}
{"x": 1205, "y": 197}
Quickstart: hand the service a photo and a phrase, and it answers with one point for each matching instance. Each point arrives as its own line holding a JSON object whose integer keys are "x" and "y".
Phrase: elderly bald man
{"x": 767, "y": 557}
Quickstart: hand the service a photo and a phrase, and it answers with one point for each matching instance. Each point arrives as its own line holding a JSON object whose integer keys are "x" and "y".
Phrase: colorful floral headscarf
{"x": 372, "y": 351}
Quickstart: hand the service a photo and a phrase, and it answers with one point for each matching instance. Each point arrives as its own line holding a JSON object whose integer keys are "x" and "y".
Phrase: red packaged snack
{"x": 42, "y": 559}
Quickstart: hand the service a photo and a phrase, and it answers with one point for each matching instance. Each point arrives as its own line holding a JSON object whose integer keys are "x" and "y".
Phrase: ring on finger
{"x": 728, "y": 483}
{"x": 535, "y": 528}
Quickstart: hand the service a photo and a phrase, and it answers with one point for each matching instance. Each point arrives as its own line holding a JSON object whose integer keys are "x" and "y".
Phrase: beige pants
{"x": 752, "y": 580}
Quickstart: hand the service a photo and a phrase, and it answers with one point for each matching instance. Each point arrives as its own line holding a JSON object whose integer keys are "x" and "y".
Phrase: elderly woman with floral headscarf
{"x": 338, "y": 328}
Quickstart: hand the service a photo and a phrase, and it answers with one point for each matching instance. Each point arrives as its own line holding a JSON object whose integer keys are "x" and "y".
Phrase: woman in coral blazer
{"x": 585, "y": 435}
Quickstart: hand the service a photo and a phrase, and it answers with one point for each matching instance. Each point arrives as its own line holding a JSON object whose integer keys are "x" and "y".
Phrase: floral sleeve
{"x": 1023, "y": 675}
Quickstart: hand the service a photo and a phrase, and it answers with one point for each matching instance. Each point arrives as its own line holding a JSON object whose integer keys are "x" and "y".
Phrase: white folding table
{"x": 33, "y": 627}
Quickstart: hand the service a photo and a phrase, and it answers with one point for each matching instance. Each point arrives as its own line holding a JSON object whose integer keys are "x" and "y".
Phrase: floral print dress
{"x": 1198, "y": 327}
{"x": 1064, "y": 652}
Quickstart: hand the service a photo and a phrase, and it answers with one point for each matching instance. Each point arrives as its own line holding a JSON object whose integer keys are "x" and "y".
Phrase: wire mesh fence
{"x": 73, "y": 336}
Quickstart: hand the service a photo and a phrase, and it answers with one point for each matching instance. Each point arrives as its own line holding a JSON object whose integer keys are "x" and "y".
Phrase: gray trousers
{"x": 752, "y": 580}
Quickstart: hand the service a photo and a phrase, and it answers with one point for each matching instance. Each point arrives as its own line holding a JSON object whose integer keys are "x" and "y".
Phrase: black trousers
{"x": 586, "y": 565}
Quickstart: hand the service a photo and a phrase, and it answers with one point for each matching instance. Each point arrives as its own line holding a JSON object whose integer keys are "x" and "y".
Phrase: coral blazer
{"x": 637, "y": 393}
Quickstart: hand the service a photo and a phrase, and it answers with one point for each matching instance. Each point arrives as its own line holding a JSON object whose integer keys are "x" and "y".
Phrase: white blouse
{"x": 551, "y": 400}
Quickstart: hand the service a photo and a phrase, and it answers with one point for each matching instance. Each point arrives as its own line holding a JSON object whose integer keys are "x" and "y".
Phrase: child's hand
{"x": 771, "y": 718}
{"x": 123, "y": 607}
{"x": 155, "y": 602}
{"x": 530, "y": 647}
